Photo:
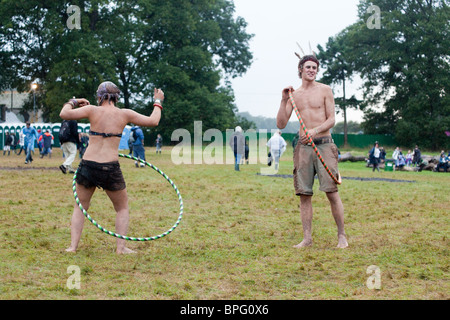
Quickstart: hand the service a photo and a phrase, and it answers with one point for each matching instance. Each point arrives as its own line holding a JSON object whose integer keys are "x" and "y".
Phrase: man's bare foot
{"x": 303, "y": 244}
{"x": 125, "y": 251}
{"x": 70, "y": 249}
{"x": 342, "y": 242}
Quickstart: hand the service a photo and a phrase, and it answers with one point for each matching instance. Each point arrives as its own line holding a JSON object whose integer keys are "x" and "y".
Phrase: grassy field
{"x": 235, "y": 240}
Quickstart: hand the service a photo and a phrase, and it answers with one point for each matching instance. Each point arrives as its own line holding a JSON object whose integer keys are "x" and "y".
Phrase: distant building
{"x": 11, "y": 103}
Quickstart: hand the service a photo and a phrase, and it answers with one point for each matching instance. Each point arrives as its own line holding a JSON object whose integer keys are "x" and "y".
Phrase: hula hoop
{"x": 337, "y": 179}
{"x": 95, "y": 223}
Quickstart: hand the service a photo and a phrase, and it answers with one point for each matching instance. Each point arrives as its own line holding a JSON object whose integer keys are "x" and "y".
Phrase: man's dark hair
{"x": 304, "y": 60}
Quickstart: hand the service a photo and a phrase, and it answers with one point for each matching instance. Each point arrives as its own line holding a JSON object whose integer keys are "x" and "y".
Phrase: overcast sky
{"x": 277, "y": 25}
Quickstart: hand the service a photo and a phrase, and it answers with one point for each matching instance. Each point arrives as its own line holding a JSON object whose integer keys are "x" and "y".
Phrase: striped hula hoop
{"x": 95, "y": 223}
{"x": 337, "y": 179}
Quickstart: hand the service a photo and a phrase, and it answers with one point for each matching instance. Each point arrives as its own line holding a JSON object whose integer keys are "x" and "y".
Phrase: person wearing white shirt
{"x": 277, "y": 146}
{"x": 374, "y": 157}
{"x": 395, "y": 156}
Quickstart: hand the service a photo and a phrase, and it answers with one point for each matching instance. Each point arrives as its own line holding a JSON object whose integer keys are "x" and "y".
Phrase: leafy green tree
{"x": 404, "y": 65}
{"x": 189, "y": 48}
{"x": 42, "y": 49}
{"x": 336, "y": 59}
{"x": 198, "y": 46}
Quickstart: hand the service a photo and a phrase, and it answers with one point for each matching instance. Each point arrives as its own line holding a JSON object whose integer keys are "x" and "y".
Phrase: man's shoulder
{"x": 323, "y": 86}
{"x": 318, "y": 85}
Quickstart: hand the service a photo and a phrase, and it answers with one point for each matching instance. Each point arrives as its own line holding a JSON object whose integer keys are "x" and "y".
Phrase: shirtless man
{"x": 316, "y": 105}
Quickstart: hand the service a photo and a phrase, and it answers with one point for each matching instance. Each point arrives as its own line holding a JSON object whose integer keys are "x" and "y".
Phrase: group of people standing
{"x": 444, "y": 162}
{"x": 136, "y": 145}
{"x": 412, "y": 158}
{"x": 9, "y": 142}
{"x": 377, "y": 155}
{"x": 28, "y": 137}
{"x": 240, "y": 146}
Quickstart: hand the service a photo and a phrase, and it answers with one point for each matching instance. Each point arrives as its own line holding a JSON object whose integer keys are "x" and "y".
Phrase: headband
{"x": 102, "y": 94}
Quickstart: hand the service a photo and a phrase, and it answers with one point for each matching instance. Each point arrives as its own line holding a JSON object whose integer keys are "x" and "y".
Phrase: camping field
{"x": 235, "y": 240}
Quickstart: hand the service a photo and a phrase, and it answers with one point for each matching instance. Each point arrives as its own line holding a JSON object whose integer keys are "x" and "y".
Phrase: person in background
{"x": 8, "y": 142}
{"x": 84, "y": 142}
{"x": 401, "y": 160}
{"x": 395, "y": 155}
{"x": 374, "y": 157}
{"x": 138, "y": 146}
{"x": 408, "y": 158}
{"x": 443, "y": 162}
{"x": 246, "y": 151}
{"x": 30, "y": 136}
{"x": 70, "y": 147}
{"x": 382, "y": 155}
{"x": 46, "y": 140}
{"x": 417, "y": 156}
{"x": 277, "y": 146}
{"x": 159, "y": 142}
{"x": 13, "y": 141}
{"x": 130, "y": 141}
{"x": 21, "y": 142}
{"x": 237, "y": 144}
{"x": 39, "y": 141}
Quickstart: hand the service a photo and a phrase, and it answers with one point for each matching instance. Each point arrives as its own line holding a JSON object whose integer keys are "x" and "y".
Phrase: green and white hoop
{"x": 127, "y": 237}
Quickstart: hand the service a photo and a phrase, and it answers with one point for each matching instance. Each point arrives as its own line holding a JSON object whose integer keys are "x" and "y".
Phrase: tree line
{"x": 189, "y": 48}
{"x": 404, "y": 63}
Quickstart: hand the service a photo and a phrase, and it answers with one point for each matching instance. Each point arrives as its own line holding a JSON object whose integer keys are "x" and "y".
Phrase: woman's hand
{"x": 82, "y": 102}
{"x": 158, "y": 94}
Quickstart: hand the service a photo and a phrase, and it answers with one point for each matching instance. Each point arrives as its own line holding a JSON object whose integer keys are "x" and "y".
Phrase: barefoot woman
{"x": 100, "y": 165}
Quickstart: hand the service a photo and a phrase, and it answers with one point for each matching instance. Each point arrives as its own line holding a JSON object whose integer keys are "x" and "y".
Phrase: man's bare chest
{"x": 310, "y": 102}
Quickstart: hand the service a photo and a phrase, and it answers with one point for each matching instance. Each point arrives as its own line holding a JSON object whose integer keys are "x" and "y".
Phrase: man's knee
{"x": 333, "y": 196}
{"x": 305, "y": 199}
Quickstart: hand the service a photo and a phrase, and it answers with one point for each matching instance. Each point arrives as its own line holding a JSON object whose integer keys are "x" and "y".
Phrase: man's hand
{"x": 305, "y": 139}
{"x": 285, "y": 93}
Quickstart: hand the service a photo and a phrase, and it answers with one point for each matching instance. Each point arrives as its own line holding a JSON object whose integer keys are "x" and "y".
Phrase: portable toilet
{"x": 55, "y": 132}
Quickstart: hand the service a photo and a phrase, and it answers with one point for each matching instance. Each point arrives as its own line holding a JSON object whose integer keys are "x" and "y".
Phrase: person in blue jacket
{"x": 30, "y": 136}
{"x": 138, "y": 145}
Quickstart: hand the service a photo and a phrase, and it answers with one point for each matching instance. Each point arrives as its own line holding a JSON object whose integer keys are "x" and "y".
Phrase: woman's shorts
{"x": 307, "y": 165}
{"x": 107, "y": 176}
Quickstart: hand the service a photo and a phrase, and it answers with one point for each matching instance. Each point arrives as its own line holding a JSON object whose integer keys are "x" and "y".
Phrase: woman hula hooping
{"x": 100, "y": 164}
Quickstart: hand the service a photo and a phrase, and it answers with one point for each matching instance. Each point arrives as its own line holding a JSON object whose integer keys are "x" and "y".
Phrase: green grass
{"x": 235, "y": 240}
